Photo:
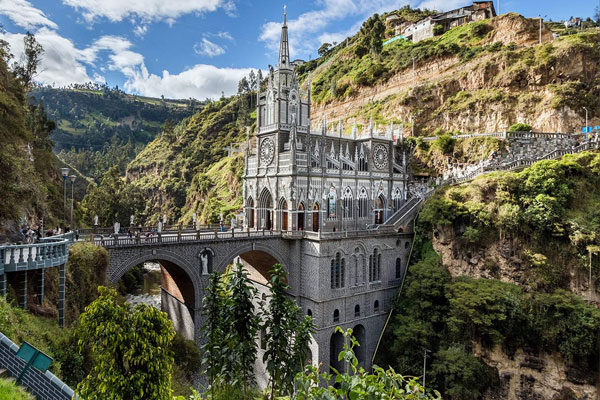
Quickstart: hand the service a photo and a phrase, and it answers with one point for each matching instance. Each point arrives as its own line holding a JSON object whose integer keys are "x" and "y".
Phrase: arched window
{"x": 396, "y": 199}
{"x": 407, "y": 244}
{"x": 357, "y": 310}
{"x": 363, "y": 203}
{"x": 250, "y": 211}
{"x": 336, "y": 315}
{"x": 309, "y": 312}
{"x": 331, "y": 203}
{"x": 265, "y": 210}
{"x": 347, "y": 203}
{"x": 398, "y": 268}
{"x": 270, "y": 108}
{"x": 363, "y": 164}
{"x": 375, "y": 266}
{"x": 338, "y": 271}
{"x": 376, "y": 306}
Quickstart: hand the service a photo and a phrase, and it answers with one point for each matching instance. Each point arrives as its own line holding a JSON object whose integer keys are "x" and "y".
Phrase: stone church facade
{"x": 333, "y": 188}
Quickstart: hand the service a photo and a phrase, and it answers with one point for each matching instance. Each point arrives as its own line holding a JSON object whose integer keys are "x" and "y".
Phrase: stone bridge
{"x": 189, "y": 257}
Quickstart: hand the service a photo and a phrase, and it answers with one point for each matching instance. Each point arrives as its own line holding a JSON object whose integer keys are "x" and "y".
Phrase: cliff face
{"x": 481, "y": 77}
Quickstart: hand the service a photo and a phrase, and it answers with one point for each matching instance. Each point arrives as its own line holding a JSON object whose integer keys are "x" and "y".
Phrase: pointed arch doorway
{"x": 301, "y": 216}
{"x": 315, "y": 217}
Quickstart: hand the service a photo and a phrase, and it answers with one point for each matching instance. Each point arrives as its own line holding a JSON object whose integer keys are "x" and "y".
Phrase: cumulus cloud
{"x": 147, "y": 10}
{"x": 61, "y": 63}
{"x": 207, "y": 48}
{"x": 309, "y": 28}
{"x": 200, "y": 81}
{"x": 23, "y": 14}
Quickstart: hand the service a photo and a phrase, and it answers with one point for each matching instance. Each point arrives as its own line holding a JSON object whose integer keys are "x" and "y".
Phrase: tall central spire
{"x": 284, "y": 48}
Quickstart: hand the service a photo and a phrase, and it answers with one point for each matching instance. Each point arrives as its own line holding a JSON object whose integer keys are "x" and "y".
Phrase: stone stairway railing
{"x": 510, "y": 135}
{"x": 409, "y": 210}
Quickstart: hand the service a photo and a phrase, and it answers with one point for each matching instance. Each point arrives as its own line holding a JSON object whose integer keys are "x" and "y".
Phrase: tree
{"x": 241, "y": 324}
{"x": 282, "y": 321}
{"x": 325, "y": 47}
{"x": 462, "y": 375}
{"x": 131, "y": 347}
{"x": 213, "y": 330}
{"x": 27, "y": 69}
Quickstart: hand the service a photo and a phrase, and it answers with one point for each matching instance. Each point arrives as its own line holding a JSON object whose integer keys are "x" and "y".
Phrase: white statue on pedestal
{"x": 204, "y": 261}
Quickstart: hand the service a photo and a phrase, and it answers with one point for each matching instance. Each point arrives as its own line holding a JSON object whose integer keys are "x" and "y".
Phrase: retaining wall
{"x": 44, "y": 386}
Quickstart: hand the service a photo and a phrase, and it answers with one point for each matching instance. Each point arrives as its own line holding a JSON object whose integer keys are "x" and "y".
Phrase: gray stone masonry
{"x": 44, "y": 386}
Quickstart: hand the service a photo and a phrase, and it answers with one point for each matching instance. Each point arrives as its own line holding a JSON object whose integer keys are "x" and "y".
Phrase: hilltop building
{"x": 440, "y": 23}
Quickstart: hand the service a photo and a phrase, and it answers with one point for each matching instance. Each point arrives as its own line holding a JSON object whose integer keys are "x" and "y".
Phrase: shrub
{"x": 10, "y": 391}
{"x": 520, "y": 127}
{"x": 438, "y": 29}
{"x": 445, "y": 143}
{"x": 461, "y": 375}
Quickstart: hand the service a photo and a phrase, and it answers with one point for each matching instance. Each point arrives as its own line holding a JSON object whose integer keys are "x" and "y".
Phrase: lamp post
{"x": 586, "y": 124}
{"x": 72, "y": 201}
{"x": 65, "y": 175}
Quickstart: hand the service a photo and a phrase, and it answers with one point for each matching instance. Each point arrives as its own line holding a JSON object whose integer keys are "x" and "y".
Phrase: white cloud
{"x": 307, "y": 31}
{"x": 208, "y": 48}
{"x": 200, "y": 81}
{"x": 147, "y": 10}
{"x": 61, "y": 61}
{"x": 23, "y": 14}
{"x": 224, "y": 35}
{"x": 140, "y": 30}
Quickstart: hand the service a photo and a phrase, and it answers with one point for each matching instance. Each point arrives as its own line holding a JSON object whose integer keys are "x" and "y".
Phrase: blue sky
{"x": 198, "y": 48}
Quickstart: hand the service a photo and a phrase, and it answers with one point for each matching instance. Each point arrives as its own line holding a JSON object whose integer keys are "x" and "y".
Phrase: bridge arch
{"x": 264, "y": 254}
{"x": 115, "y": 274}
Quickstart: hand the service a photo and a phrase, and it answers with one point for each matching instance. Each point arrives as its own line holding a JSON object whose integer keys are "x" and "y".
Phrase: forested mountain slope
{"x": 98, "y": 127}
{"x": 184, "y": 170}
{"x": 504, "y": 283}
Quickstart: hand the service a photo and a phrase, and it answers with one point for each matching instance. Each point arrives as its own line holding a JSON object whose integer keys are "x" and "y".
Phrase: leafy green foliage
{"x": 86, "y": 270}
{"x": 520, "y": 127}
{"x": 131, "y": 348}
{"x": 283, "y": 320}
{"x": 357, "y": 383}
{"x": 241, "y": 326}
{"x": 114, "y": 200}
{"x": 462, "y": 375}
{"x": 10, "y": 391}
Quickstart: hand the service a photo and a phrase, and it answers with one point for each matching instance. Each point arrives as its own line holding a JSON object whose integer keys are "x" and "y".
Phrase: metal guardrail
{"x": 50, "y": 252}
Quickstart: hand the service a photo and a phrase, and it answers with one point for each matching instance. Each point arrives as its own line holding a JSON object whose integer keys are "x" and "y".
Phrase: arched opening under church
{"x": 265, "y": 210}
{"x": 300, "y": 216}
{"x": 164, "y": 285}
{"x": 336, "y": 345}
{"x": 360, "y": 351}
{"x": 315, "y": 217}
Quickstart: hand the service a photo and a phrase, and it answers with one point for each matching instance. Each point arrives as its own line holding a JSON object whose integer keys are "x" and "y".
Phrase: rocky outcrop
{"x": 529, "y": 376}
{"x": 487, "y": 94}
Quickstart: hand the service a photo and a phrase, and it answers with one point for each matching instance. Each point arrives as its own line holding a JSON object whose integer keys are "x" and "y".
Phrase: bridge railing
{"x": 170, "y": 237}
{"x": 49, "y": 252}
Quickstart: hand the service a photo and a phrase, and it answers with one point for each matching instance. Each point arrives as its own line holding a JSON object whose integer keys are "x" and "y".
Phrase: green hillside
{"x": 98, "y": 127}
{"x": 179, "y": 169}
